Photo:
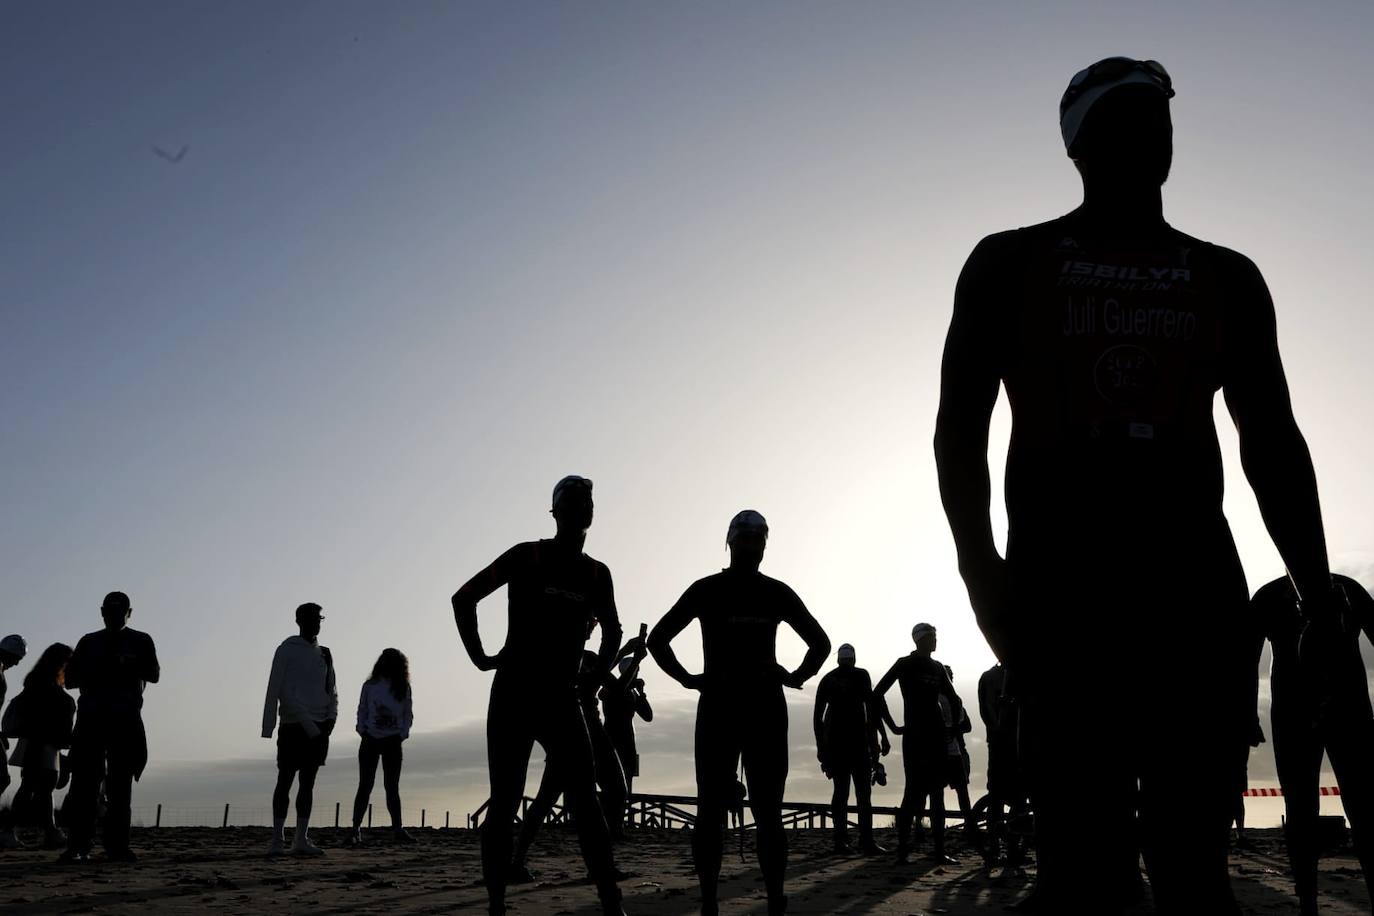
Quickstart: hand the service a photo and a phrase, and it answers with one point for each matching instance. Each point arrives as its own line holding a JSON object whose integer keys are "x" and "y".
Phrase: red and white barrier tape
{"x": 1278, "y": 793}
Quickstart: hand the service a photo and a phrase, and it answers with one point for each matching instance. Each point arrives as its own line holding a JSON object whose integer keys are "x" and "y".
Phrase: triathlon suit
{"x": 923, "y": 682}
{"x": 553, "y": 596}
{"x": 741, "y": 711}
{"x": 1303, "y": 727}
{"x": 1111, "y": 350}
{"x": 846, "y": 726}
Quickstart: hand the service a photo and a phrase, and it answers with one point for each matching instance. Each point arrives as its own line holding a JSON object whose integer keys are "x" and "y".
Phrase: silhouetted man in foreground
{"x": 12, "y": 652}
{"x": 302, "y": 685}
{"x": 111, "y": 668}
{"x": 849, "y": 739}
{"x": 555, "y": 592}
{"x": 1314, "y": 711}
{"x": 925, "y": 737}
{"x": 742, "y": 711}
{"x": 1112, "y": 332}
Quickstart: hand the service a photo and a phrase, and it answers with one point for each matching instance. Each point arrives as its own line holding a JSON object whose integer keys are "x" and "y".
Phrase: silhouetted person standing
{"x": 622, "y": 700}
{"x": 741, "y": 711}
{"x": 925, "y": 737}
{"x": 302, "y": 689}
{"x": 849, "y": 739}
{"x": 1006, "y": 788}
{"x": 555, "y": 592}
{"x": 111, "y": 668}
{"x": 40, "y": 717}
{"x": 12, "y": 652}
{"x": 960, "y": 764}
{"x": 1314, "y": 711}
{"x": 385, "y": 715}
{"x": 1112, "y": 333}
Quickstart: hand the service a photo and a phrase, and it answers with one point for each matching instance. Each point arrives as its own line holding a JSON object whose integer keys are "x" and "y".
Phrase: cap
{"x": 572, "y": 481}
{"x": 846, "y": 653}
{"x": 309, "y": 611}
{"x": 920, "y": 631}
{"x": 1090, "y": 84}
{"x": 14, "y": 644}
{"x": 746, "y": 520}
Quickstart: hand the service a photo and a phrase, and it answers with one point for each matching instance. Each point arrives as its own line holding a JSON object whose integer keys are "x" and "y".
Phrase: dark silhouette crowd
{"x": 1111, "y": 333}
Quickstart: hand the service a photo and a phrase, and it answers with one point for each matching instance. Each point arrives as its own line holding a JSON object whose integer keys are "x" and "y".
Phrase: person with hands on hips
{"x": 741, "y": 712}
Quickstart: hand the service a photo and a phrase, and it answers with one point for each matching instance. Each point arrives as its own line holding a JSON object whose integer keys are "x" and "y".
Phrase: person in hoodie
{"x": 40, "y": 717}
{"x": 111, "y": 668}
{"x": 384, "y": 719}
{"x": 302, "y": 688}
{"x": 12, "y": 652}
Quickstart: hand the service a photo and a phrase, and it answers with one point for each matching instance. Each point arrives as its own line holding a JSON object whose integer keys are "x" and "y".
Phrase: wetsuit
{"x": 741, "y": 712}
{"x": 846, "y": 723}
{"x": 1006, "y": 788}
{"x": 925, "y": 740}
{"x": 1111, "y": 345}
{"x": 110, "y": 668}
{"x": 607, "y": 765}
{"x": 553, "y": 596}
{"x": 1303, "y": 726}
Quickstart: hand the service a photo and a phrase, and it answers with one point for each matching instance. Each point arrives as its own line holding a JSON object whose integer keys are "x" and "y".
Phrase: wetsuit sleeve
{"x": 609, "y": 619}
{"x": 274, "y": 692}
{"x": 150, "y": 671}
{"x": 971, "y": 372}
{"x": 809, "y": 629}
{"x": 872, "y": 713}
{"x": 474, "y": 590}
{"x": 1273, "y": 451}
{"x": 879, "y": 698}
{"x": 818, "y": 711}
{"x": 666, "y": 630}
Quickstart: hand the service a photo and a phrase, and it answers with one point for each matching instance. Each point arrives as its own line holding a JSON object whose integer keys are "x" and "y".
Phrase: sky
{"x": 420, "y": 261}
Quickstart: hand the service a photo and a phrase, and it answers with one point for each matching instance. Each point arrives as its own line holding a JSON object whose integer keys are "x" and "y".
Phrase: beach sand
{"x": 206, "y": 870}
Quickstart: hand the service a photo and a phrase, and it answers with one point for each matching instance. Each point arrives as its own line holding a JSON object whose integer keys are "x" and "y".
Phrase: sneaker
{"x": 871, "y": 849}
{"x": 276, "y": 849}
{"x": 121, "y": 855}
{"x": 306, "y": 848}
{"x": 54, "y": 839}
{"x": 401, "y": 836}
{"x": 73, "y": 857}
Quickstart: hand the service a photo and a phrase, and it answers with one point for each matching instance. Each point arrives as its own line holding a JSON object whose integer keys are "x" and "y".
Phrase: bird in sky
{"x": 180, "y": 154}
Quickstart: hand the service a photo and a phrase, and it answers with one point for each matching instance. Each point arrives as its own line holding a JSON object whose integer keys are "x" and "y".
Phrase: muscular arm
{"x": 817, "y": 643}
{"x": 1273, "y": 451}
{"x": 662, "y": 635}
{"x": 879, "y": 693}
{"x": 611, "y": 631}
{"x": 970, "y": 377}
{"x": 150, "y": 671}
{"x": 465, "y": 605}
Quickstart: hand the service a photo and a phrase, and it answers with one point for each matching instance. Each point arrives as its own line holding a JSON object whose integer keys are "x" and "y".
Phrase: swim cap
{"x": 1090, "y": 84}
{"x": 746, "y": 520}
{"x": 570, "y": 482}
{"x": 920, "y": 630}
{"x": 14, "y": 644}
{"x": 846, "y": 653}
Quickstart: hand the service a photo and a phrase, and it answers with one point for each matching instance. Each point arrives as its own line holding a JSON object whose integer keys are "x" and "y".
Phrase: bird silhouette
{"x": 181, "y": 154}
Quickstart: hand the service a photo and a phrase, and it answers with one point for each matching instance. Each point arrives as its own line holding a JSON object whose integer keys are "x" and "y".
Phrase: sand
{"x": 207, "y": 870}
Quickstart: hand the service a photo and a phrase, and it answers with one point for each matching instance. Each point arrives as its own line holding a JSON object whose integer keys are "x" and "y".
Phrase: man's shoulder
{"x": 1279, "y": 590}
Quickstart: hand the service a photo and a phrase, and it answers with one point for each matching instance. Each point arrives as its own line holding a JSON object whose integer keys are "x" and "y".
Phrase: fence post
{"x": 445, "y": 820}
{"x": 336, "y": 814}
{"x": 369, "y": 815}
{"x": 422, "y": 817}
{"x": 226, "y": 815}
{"x": 158, "y": 822}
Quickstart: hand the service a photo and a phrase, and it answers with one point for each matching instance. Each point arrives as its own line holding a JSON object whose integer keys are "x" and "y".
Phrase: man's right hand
{"x": 990, "y": 595}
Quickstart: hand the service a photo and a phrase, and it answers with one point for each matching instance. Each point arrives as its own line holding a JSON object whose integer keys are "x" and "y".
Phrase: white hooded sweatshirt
{"x": 302, "y": 684}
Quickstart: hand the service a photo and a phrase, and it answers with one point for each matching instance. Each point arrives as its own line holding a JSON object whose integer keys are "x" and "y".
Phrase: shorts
{"x": 298, "y": 751}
